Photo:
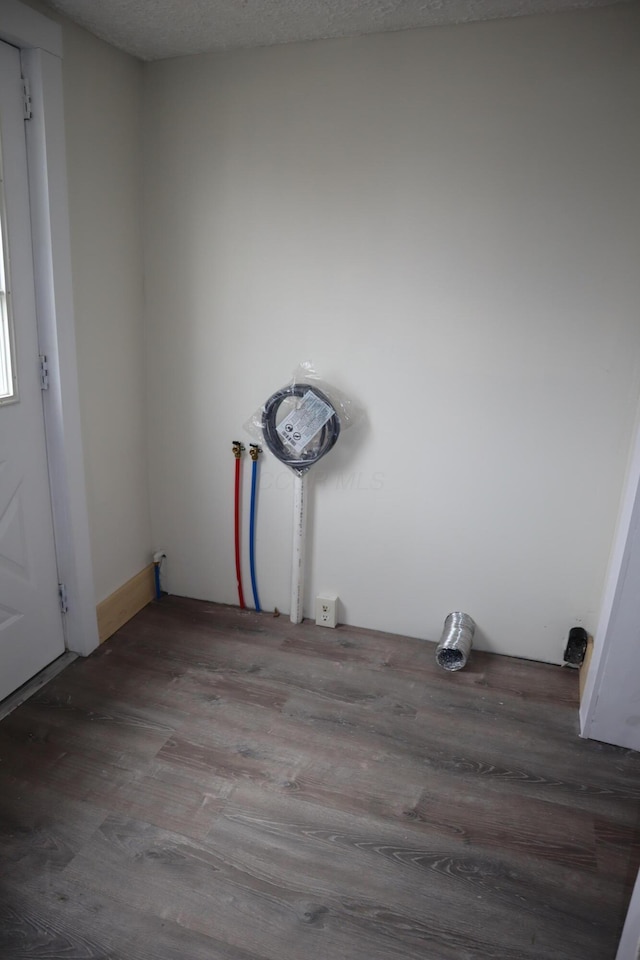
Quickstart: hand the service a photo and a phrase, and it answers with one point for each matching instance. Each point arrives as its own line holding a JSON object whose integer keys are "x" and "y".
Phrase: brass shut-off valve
{"x": 254, "y": 451}
{"x": 238, "y": 449}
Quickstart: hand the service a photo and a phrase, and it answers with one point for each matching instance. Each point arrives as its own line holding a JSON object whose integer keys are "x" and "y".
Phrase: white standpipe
{"x": 299, "y": 546}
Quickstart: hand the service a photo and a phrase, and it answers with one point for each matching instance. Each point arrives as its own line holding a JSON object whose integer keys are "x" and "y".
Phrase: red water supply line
{"x": 238, "y": 450}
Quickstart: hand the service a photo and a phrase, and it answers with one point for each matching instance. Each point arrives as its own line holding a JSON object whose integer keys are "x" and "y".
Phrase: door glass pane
{"x": 7, "y": 371}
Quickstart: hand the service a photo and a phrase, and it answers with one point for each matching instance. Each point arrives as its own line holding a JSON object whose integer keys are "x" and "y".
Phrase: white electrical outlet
{"x": 326, "y": 611}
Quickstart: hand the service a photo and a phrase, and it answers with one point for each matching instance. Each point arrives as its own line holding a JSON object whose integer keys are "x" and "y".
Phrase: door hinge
{"x": 64, "y": 601}
{"x": 27, "y": 107}
{"x": 44, "y": 371}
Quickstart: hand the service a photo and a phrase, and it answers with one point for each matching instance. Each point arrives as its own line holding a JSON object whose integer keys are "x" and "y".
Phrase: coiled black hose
{"x": 322, "y": 442}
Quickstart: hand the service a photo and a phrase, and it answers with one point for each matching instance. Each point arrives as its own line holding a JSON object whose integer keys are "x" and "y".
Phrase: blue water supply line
{"x": 254, "y": 451}
{"x": 158, "y": 557}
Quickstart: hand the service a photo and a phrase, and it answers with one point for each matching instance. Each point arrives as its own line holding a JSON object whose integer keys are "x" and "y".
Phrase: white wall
{"x": 102, "y": 90}
{"x": 447, "y": 222}
{"x": 102, "y": 100}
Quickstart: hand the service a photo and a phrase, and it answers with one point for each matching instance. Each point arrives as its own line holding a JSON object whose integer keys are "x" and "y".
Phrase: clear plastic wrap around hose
{"x": 454, "y": 648}
{"x": 280, "y": 447}
{"x": 300, "y": 423}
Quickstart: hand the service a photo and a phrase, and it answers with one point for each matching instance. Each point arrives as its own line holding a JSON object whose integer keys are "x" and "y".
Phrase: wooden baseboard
{"x": 125, "y": 602}
{"x": 584, "y": 669}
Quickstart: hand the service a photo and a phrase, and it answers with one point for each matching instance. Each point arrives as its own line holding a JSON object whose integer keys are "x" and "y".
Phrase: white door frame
{"x": 40, "y": 42}
{"x": 629, "y": 946}
{"x": 610, "y": 707}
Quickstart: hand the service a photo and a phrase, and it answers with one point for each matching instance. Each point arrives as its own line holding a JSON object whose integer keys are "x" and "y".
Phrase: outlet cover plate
{"x": 326, "y": 611}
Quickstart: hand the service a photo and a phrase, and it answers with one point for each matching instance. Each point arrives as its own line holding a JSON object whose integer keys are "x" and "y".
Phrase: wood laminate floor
{"x": 214, "y": 784}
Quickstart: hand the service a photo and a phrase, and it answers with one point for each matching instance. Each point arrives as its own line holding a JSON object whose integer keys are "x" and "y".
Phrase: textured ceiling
{"x": 156, "y": 29}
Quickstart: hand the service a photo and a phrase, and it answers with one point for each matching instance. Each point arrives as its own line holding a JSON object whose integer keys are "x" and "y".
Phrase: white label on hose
{"x": 300, "y": 426}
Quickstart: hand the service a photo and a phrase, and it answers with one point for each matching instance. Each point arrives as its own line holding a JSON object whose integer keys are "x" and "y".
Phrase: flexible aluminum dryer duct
{"x": 454, "y": 648}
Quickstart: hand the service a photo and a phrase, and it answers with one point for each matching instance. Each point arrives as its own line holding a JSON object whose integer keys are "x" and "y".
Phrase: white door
{"x": 31, "y": 632}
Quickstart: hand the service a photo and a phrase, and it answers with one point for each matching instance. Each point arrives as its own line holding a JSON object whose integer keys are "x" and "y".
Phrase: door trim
{"x": 607, "y": 705}
{"x": 40, "y": 43}
{"x": 23, "y": 27}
